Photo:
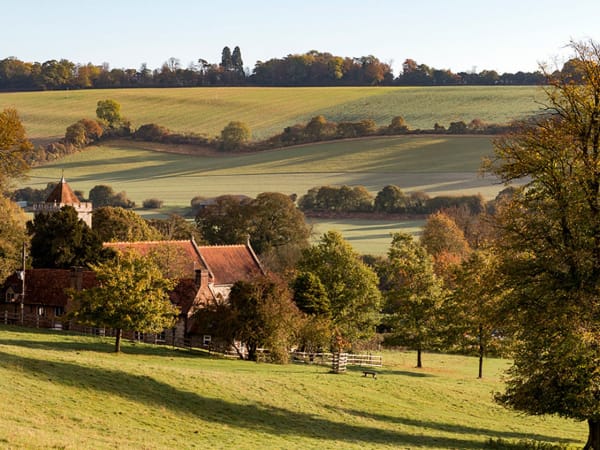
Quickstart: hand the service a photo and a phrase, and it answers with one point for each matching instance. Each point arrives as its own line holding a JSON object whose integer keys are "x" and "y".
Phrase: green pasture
{"x": 66, "y": 391}
{"x": 434, "y": 164}
{"x": 438, "y": 165}
{"x": 367, "y": 237}
{"x": 268, "y": 110}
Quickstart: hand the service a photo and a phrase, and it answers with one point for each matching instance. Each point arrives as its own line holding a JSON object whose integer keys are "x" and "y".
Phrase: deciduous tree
{"x": 351, "y": 286}
{"x": 132, "y": 295}
{"x": 414, "y": 296}
{"x": 109, "y": 111}
{"x": 15, "y": 148}
{"x": 62, "y": 240}
{"x": 234, "y": 135}
{"x": 12, "y": 236}
{"x": 113, "y": 224}
{"x": 550, "y": 245}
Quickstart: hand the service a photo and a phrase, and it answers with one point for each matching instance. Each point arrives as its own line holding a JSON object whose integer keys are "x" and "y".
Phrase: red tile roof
{"x": 62, "y": 193}
{"x": 226, "y": 263}
{"x": 230, "y": 263}
{"x": 181, "y": 257}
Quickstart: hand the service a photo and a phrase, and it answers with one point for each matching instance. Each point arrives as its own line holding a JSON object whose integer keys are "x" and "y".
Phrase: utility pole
{"x": 23, "y": 287}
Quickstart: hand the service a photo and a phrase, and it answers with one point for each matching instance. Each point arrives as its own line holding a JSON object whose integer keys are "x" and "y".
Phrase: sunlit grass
{"x": 268, "y": 110}
{"x": 71, "y": 392}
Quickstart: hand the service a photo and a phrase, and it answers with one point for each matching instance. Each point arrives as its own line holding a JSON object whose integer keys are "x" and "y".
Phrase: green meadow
{"x": 267, "y": 111}
{"x": 61, "y": 390}
{"x": 438, "y": 165}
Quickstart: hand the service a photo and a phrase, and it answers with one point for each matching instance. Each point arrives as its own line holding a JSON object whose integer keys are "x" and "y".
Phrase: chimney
{"x": 201, "y": 278}
{"x": 77, "y": 278}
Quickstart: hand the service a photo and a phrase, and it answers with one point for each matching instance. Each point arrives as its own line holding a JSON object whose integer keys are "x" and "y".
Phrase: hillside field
{"x": 61, "y": 390}
{"x": 267, "y": 111}
{"x": 438, "y": 165}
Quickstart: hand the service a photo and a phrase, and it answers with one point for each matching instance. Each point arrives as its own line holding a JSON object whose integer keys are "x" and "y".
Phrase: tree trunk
{"x": 593, "y": 442}
{"x": 481, "y": 352}
{"x": 419, "y": 364}
{"x": 118, "y": 341}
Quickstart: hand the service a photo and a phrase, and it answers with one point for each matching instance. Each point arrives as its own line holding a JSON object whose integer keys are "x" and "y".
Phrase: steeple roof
{"x": 62, "y": 193}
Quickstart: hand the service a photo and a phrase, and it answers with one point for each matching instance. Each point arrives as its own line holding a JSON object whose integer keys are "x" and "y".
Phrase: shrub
{"x": 152, "y": 203}
{"x": 151, "y": 132}
{"x": 235, "y": 135}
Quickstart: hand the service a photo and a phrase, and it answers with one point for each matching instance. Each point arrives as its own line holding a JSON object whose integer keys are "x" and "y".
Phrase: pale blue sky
{"x": 505, "y": 35}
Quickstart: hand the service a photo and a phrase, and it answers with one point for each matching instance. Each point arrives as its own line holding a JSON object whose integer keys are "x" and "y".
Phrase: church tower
{"x": 63, "y": 195}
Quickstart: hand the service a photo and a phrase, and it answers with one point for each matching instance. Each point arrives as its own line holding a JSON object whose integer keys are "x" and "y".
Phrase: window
{"x": 206, "y": 339}
{"x": 58, "y": 311}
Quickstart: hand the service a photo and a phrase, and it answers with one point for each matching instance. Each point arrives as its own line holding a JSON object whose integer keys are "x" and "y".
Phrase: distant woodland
{"x": 313, "y": 68}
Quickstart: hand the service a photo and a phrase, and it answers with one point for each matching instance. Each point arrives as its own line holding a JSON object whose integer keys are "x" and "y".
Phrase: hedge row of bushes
{"x": 390, "y": 200}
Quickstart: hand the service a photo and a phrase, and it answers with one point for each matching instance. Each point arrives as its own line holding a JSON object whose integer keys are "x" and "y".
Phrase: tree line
{"x": 312, "y": 68}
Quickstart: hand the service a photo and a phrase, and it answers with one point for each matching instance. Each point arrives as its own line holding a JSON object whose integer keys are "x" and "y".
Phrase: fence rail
{"x": 326, "y": 359}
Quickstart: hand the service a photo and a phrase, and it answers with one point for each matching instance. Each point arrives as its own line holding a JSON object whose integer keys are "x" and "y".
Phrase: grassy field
{"x": 70, "y": 392}
{"x": 435, "y": 164}
{"x": 268, "y": 110}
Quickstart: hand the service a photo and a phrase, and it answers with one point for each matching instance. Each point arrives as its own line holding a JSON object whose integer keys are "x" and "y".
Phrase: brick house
{"x": 204, "y": 274}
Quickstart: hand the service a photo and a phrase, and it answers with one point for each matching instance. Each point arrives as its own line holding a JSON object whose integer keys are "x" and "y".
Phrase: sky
{"x": 459, "y": 35}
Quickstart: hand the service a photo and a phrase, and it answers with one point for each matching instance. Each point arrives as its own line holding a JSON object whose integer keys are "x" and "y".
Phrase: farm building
{"x": 204, "y": 274}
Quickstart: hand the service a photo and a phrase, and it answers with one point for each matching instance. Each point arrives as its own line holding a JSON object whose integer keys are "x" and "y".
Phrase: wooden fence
{"x": 326, "y": 359}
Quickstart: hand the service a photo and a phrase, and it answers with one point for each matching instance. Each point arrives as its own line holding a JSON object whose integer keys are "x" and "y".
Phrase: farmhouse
{"x": 204, "y": 273}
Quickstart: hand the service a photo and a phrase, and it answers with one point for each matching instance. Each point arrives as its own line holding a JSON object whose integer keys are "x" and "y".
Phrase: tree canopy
{"x": 132, "y": 295}
{"x": 350, "y": 285}
{"x": 414, "y": 295}
{"x": 15, "y": 148}
{"x": 12, "y": 236}
{"x": 550, "y": 249}
{"x": 62, "y": 240}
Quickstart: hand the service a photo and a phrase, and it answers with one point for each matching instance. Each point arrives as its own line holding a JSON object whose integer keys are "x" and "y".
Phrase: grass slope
{"x": 434, "y": 164}
{"x": 438, "y": 165}
{"x": 268, "y": 110}
{"x": 66, "y": 391}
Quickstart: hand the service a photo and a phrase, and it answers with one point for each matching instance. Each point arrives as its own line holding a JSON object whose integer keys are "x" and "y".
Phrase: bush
{"x": 152, "y": 203}
{"x": 234, "y": 136}
{"x": 151, "y": 132}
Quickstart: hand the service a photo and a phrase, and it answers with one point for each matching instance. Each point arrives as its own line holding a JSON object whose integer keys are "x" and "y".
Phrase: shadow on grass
{"x": 262, "y": 418}
{"x": 451, "y": 428}
{"x": 73, "y": 342}
{"x": 386, "y": 372}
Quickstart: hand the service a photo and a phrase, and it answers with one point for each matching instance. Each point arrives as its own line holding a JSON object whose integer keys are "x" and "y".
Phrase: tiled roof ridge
{"x": 146, "y": 242}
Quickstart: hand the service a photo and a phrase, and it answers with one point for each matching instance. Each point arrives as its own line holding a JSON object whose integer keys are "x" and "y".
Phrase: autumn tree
{"x": 259, "y": 314}
{"x": 12, "y": 236}
{"x": 61, "y": 240}
{"x": 414, "y": 296}
{"x": 113, "y": 224}
{"x": 132, "y": 295}
{"x": 109, "y": 112}
{"x": 350, "y": 285}
{"x": 235, "y": 135}
{"x": 15, "y": 148}
{"x": 446, "y": 243}
{"x": 475, "y": 304}
{"x": 550, "y": 248}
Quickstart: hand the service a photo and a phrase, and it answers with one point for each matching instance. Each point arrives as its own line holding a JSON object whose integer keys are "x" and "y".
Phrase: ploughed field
{"x": 62, "y": 390}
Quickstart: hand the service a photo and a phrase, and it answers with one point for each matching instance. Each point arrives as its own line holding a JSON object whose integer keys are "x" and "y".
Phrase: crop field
{"x": 268, "y": 110}
{"x": 61, "y": 390}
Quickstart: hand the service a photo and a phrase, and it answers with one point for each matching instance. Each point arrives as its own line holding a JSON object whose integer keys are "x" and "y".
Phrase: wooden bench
{"x": 369, "y": 372}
